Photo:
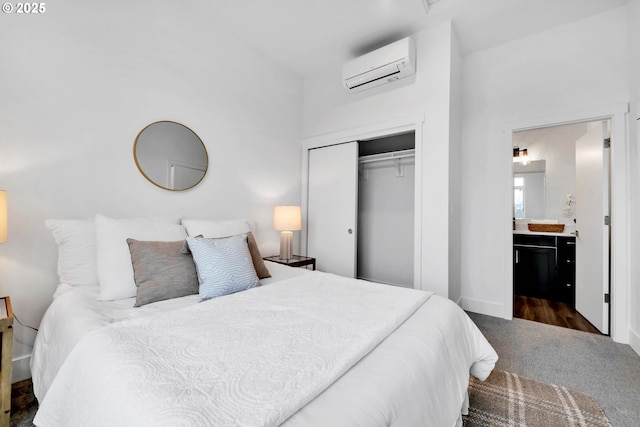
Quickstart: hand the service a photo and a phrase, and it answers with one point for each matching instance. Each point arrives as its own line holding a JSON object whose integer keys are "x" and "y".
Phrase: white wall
{"x": 329, "y": 108}
{"x": 79, "y": 82}
{"x": 573, "y": 67}
{"x": 633, "y": 16}
{"x": 556, "y": 145}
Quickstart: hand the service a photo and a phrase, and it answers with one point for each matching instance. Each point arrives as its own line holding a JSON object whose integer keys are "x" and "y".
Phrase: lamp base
{"x": 286, "y": 244}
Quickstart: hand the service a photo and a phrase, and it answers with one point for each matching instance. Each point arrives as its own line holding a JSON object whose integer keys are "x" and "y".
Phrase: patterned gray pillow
{"x": 161, "y": 271}
{"x": 224, "y": 265}
{"x": 256, "y": 257}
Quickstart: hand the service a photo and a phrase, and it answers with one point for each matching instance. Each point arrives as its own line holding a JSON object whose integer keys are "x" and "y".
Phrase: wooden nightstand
{"x": 6, "y": 343}
{"x": 296, "y": 261}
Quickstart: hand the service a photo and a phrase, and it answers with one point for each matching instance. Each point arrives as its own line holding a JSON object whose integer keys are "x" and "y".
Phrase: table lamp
{"x": 287, "y": 219}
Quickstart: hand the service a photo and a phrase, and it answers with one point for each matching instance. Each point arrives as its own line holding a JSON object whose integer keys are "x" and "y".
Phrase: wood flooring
{"x": 550, "y": 312}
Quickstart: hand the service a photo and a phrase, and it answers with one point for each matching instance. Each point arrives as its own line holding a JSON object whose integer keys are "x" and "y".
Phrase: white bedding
{"x": 76, "y": 311}
{"x": 418, "y": 375}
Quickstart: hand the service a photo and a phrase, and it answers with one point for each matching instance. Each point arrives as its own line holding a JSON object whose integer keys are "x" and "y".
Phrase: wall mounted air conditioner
{"x": 387, "y": 64}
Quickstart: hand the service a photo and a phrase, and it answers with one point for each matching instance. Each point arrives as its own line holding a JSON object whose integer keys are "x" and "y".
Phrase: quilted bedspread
{"x": 250, "y": 359}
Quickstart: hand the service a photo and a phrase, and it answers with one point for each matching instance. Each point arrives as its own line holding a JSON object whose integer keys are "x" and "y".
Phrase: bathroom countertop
{"x": 541, "y": 233}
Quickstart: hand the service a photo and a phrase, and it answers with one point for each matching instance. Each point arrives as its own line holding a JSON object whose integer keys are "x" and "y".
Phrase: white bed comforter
{"x": 220, "y": 370}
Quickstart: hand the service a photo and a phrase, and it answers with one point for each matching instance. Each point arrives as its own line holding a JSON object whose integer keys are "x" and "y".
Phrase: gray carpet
{"x": 589, "y": 363}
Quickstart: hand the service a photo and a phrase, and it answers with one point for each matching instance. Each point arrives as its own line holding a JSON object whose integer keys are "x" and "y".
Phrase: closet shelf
{"x": 387, "y": 156}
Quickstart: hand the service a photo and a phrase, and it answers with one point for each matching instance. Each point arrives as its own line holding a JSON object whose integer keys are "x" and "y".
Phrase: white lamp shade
{"x": 287, "y": 218}
{"x": 3, "y": 216}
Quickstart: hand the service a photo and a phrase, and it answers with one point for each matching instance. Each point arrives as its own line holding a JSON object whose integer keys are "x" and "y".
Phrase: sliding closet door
{"x": 332, "y": 208}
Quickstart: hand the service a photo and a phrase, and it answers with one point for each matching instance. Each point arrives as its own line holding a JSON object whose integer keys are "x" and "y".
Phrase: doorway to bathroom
{"x": 561, "y": 226}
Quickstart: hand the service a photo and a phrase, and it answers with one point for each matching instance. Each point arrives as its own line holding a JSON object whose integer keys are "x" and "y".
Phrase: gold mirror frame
{"x": 167, "y": 152}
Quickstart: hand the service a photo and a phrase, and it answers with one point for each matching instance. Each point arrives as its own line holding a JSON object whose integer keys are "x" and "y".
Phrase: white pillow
{"x": 215, "y": 229}
{"x": 76, "y": 239}
{"x": 115, "y": 271}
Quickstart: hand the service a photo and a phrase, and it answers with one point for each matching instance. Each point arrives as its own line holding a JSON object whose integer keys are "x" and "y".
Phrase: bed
{"x": 304, "y": 348}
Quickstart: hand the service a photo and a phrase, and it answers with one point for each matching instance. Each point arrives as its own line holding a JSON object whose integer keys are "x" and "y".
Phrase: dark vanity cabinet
{"x": 567, "y": 270}
{"x": 544, "y": 267}
{"x": 534, "y": 265}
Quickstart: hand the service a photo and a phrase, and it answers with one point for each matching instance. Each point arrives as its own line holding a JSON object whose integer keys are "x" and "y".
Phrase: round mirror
{"x": 170, "y": 155}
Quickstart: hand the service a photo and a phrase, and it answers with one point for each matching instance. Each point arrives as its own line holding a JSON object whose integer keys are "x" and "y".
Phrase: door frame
{"x": 619, "y": 209}
{"x": 371, "y": 131}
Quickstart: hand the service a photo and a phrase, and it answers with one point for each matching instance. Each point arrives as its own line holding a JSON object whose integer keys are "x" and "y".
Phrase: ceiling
{"x": 570, "y": 132}
{"x": 308, "y": 35}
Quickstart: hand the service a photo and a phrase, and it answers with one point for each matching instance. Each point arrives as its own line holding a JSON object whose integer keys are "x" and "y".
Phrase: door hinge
{"x": 607, "y": 143}
{"x": 606, "y": 298}
{"x": 607, "y": 220}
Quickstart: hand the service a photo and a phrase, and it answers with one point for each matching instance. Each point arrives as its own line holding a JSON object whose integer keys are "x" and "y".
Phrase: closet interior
{"x": 360, "y": 218}
{"x": 386, "y": 193}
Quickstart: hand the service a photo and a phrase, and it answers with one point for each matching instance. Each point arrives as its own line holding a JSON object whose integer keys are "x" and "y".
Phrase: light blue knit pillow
{"x": 224, "y": 266}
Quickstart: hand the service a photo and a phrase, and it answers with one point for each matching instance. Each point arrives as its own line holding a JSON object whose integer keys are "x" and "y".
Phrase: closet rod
{"x": 387, "y": 156}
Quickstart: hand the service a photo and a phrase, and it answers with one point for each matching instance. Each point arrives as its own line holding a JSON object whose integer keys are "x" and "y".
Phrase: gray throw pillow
{"x": 161, "y": 271}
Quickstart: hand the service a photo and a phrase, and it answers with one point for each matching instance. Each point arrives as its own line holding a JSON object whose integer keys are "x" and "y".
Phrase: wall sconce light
{"x": 520, "y": 156}
{"x": 287, "y": 219}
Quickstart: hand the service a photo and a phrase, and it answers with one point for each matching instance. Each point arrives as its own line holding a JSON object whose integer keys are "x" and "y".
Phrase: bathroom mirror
{"x": 170, "y": 155}
{"x": 529, "y": 190}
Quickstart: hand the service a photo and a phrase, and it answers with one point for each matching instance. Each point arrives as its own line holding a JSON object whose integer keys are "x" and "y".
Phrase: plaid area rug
{"x": 506, "y": 399}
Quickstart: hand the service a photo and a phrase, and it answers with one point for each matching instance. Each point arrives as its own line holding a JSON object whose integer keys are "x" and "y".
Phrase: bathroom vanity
{"x": 544, "y": 266}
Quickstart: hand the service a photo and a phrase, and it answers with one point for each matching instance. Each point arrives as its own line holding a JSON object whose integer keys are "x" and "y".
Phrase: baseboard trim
{"x": 634, "y": 341}
{"x": 20, "y": 368}
{"x": 482, "y": 307}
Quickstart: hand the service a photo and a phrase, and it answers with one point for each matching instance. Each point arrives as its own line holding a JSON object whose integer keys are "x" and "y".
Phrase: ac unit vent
{"x": 381, "y": 66}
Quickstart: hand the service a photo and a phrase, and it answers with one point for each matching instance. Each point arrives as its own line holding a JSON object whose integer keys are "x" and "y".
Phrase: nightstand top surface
{"x": 295, "y": 261}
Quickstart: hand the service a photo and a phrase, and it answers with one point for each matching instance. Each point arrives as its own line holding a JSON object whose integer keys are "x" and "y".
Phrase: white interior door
{"x": 592, "y": 237}
{"x": 332, "y": 208}
{"x": 181, "y": 175}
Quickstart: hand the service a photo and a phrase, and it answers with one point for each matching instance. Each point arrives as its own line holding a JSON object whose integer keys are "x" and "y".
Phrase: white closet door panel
{"x": 332, "y": 208}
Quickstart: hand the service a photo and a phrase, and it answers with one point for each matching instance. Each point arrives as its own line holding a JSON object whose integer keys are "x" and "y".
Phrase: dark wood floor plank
{"x": 550, "y": 312}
